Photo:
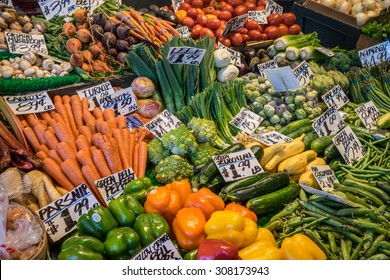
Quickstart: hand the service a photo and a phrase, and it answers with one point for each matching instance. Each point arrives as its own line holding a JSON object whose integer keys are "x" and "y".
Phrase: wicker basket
{"x": 41, "y": 252}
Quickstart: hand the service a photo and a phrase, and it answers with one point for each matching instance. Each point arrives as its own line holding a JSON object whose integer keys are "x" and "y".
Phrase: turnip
{"x": 87, "y": 55}
{"x": 148, "y": 108}
{"x": 84, "y": 35}
{"x": 68, "y": 29}
{"x": 73, "y": 45}
{"x": 76, "y": 59}
{"x": 142, "y": 87}
{"x": 81, "y": 15}
{"x": 96, "y": 48}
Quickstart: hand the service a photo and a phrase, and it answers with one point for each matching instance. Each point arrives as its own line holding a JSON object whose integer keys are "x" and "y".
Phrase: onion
{"x": 329, "y": 3}
{"x": 358, "y": 8}
{"x": 371, "y": 13}
{"x": 343, "y": 6}
{"x": 353, "y": 2}
{"x": 361, "y": 18}
{"x": 370, "y": 4}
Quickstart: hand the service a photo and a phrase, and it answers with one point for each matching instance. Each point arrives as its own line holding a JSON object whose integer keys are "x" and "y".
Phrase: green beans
{"x": 320, "y": 244}
{"x": 371, "y": 189}
{"x": 375, "y": 245}
{"x": 332, "y": 242}
{"x": 273, "y": 225}
{"x": 298, "y": 221}
{"x": 384, "y": 245}
{"x": 344, "y": 250}
{"x": 357, "y": 250}
{"x": 286, "y": 211}
{"x": 379, "y": 257}
{"x": 353, "y": 212}
{"x": 373, "y": 198}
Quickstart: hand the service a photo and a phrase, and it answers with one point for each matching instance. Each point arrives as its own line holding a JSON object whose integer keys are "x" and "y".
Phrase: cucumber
{"x": 331, "y": 151}
{"x": 300, "y": 131}
{"x": 293, "y": 126}
{"x": 308, "y": 138}
{"x": 216, "y": 184}
{"x": 274, "y": 201}
{"x": 321, "y": 143}
{"x": 231, "y": 186}
{"x": 258, "y": 151}
{"x": 264, "y": 186}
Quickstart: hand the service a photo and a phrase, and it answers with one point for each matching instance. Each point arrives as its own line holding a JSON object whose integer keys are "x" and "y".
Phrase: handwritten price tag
{"x": 237, "y": 165}
{"x": 236, "y": 56}
{"x": 84, "y": 4}
{"x": 325, "y": 177}
{"x": 20, "y": 43}
{"x": 184, "y": 32}
{"x": 303, "y": 73}
{"x": 30, "y": 103}
{"x": 368, "y": 113}
{"x": 185, "y": 55}
{"x": 329, "y": 123}
{"x": 271, "y": 138}
{"x": 176, "y": 4}
{"x": 266, "y": 65}
{"x": 327, "y": 195}
{"x": 60, "y": 217}
{"x": 349, "y": 145}
{"x": 123, "y": 102}
{"x": 375, "y": 54}
{"x": 7, "y": 2}
{"x": 96, "y": 93}
{"x": 235, "y": 24}
{"x": 273, "y": 7}
{"x": 335, "y": 98}
{"x": 259, "y": 16}
{"x": 52, "y": 8}
{"x": 162, "y": 123}
{"x": 161, "y": 249}
{"x": 246, "y": 120}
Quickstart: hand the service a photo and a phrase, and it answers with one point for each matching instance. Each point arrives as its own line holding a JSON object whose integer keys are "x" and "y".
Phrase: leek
{"x": 271, "y": 51}
{"x": 280, "y": 56}
{"x": 292, "y": 53}
{"x": 310, "y": 52}
{"x": 298, "y": 41}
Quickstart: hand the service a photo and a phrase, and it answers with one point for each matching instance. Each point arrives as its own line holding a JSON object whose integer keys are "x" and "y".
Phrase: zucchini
{"x": 321, "y": 143}
{"x": 274, "y": 201}
{"x": 293, "y": 126}
{"x": 258, "y": 151}
{"x": 300, "y": 131}
{"x": 331, "y": 151}
{"x": 264, "y": 186}
{"x": 216, "y": 184}
{"x": 308, "y": 138}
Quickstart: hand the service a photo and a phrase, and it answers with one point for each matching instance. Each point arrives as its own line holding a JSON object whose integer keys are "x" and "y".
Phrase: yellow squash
{"x": 307, "y": 178}
{"x": 297, "y": 164}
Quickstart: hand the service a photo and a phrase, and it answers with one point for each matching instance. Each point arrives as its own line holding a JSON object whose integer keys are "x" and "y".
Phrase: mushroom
{"x": 6, "y": 62}
{"x": 7, "y": 72}
{"x": 30, "y": 57}
{"x": 64, "y": 73}
{"x": 15, "y": 65}
{"x": 29, "y": 72}
{"x": 20, "y": 76}
{"x": 56, "y": 69}
{"x": 66, "y": 66}
{"x": 39, "y": 61}
{"x": 18, "y": 72}
{"x": 40, "y": 73}
{"x": 47, "y": 64}
{"x": 24, "y": 64}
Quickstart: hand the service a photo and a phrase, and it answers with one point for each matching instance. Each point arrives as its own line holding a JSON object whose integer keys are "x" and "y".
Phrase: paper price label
{"x": 60, "y": 217}
{"x": 161, "y": 249}
{"x": 273, "y": 7}
{"x": 162, "y": 123}
{"x": 271, "y": 138}
{"x": 327, "y": 195}
{"x": 84, "y": 4}
{"x": 185, "y": 55}
{"x": 176, "y": 4}
{"x": 133, "y": 122}
{"x": 97, "y": 3}
{"x": 349, "y": 145}
{"x": 52, "y": 8}
{"x": 335, "y": 98}
{"x": 375, "y": 54}
{"x": 266, "y": 65}
{"x": 259, "y": 16}
{"x": 236, "y": 56}
{"x": 303, "y": 73}
{"x": 282, "y": 78}
{"x": 29, "y": 103}
{"x": 235, "y": 24}
{"x": 7, "y": 2}
{"x": 20, "y": 43}
{"x": 325, "y": 51}
{"x": 184, "y": 32}
{"x": 123, "y": 102}
{"x": 96, "y": 93}
{"x": 325, "y": 177}
{"x": 368, "y": 113}
{"x": 246, "y": 120}
{"x": 111, "y": 187}
{"x": 329, "y": 123}
{"x": 237, "y": 165}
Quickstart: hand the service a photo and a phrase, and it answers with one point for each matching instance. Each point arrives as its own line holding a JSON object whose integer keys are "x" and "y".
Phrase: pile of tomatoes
{"x": 209, "y": 18}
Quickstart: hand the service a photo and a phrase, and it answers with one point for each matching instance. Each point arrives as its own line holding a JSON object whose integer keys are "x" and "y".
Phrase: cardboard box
{"x": 365, "y": 42}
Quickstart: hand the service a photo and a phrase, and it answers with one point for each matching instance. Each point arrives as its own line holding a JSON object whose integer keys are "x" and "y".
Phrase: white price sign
{"x": 237, "y": 165}
{"x": 185, "y": 55}
{"x": 325, "y": 51}
{"x": 52, "y": 8}
{"x": 7, "y": 2}
{"x": 176, "y": 4}
{"x": 303, "y": 73}
{"x": 335, "y": 97}
{"x": 111, "y": 187}
{"x": 123, "y": 102}
{"x": 273, "y": 7}
{"x": 266, "y": 65}
{"x": 161, "y": 249}
{"x": 259, "y": 16}
{"x": 349, "y": 146}
{"x": 327, "y": 195}
{"x": 162, "y": 123}
{"x": 184, "y": 32}
{"x": 368, "y": 113}
{"x": 236, "y": 56}
{"x": 96, "y": 93}
{"x": 84, "y": 4}
{"x": 329, "y": 123}
{"x": 375, "y": 55}
{"x": 60, "y": 217}
{"x": 325, "y": 177}
{"x": 235, "y": 24}
{"x": 246, "y": 120}
{"x": 30, "y": 103}
{"x": 272, "y": 137}
{"x": 20, "y": 43}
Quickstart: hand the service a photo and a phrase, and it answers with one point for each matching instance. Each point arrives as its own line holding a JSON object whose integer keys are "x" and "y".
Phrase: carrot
{"x": 41, "y": 154}
{"x": 115, "y": 145}
{"x": 112, "y": 158}
{"x": 57, "y": 98}
{"x": 121, "y": 121}
{"x": 54, "y": 155}
{"x": 98, "y": 113}
{"x": 64, "y": 135}
{"x": 72, "y": 122}
{"x": 55, "y": 171}
{"x": 50, "y": 139}
{"x": 85, "y": 104}
{"x": 91, "y": 176}
{"x": 84, "y": 157}
{"x": 126, "y": 144}
{"x": 100, "y": 163}
{"x": 66, "y": 151}
{"x": 98, "y": 124}
{"x": 142, "y": 133}
{"x": 31, "y": 137}
{"x": 23, "y": 123}
{"x": 44, "y": 148}
{"x": 45, "y": 116}
{"x": 58, "y": 118}
{"x": 109, "y": 116}
{"x": 31, "y": 120}
{"x": 72, "y": 170}
{"x": 142, "y": 158}
{"x": 106, "y": 129}
{"x": 97, "y": 140}
{"x": 136, "y": 158}
{"x": 60, "y": 108}
{"x": 92, "y": 149}
{"x": 117, "y": 133}
{"x": 131, "y": 149}
{"x": 38, "y": 130}
{"x": 84, "y": 130}
{"x": 91, "y": 124}
{"x": 82, "y": 143}
{"x": 51, "y": 122}
{"x": 77, "y": 110}
{"x": 65, "y": 99}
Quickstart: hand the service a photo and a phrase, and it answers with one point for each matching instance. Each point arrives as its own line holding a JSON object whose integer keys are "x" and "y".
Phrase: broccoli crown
{"x": 156, "y": 151}
{"x": 204, "y": 130}
{"x": 179, "y": 141}
{"x": 202, "y": 154}
{"x": 173, "y": 168}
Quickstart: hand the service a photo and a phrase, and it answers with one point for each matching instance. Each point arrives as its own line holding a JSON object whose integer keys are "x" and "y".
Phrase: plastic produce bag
{"x": 4, "y": 254}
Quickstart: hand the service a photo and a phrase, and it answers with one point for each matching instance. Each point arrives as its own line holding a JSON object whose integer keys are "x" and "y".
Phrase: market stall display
{"x": 218, "y": 148}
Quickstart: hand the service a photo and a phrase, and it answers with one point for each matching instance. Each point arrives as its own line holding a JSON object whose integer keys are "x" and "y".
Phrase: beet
{"x": 100, "y": 19}
{"x": 113, "y": 52}
{"x": 97, "y": 31}
{"x": 123, "y": 31}
{"x": 122, "y": 46}
{"x": 132, "y": 40}
{"x": 121, "y": 57}
{"x": 110, "y": 26}
{"x": 108, "y": 40}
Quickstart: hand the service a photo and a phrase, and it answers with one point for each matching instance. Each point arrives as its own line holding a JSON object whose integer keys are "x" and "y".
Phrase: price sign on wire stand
{"x": 328, "y": 195}
{"x": 266, "y": 65}
{"x": 349, "y": 146}
{"x": 184, "y": 32}
{"x": 325, "y": 177}
{"x": 52, "y": 8}
{"x": 259, "y": 16}
{"x": 270, "y": 138}
{"x": 162, "y": 123}
{"x": 368, "y": 113}
{"x": 329, "y": 123}
{"x": 30, "y": 103}
{"x": 234, "y": 24}
{"x": 335, "y": 97}
{"x": 303, "y": 73}
{"x": 375, "y": 55}
{"x": 20, "y": 43}
{"x": 95, "y": 93}
{"x": 246, "y": 120}
{"x": 273, "y": 7}
{"x": 185, "y": 55}
{"x": 161, "y": 249}
{"x": 123, "y": 102}
{"x": 84, "y": 4}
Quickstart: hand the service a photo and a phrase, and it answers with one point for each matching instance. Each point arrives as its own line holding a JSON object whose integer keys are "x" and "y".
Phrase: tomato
{"x": 209, "y": 10}
{"x": 274, "y": 19}
{"x": 218, "y": 32}
{"x": 225, "y": 41}
{"x": 211, "y": 16}
{"x": 252, "y": 24}
{"x": 283, "y": 29}
{"x": 254, "y": 35}
{"x": 260, "y": 8}
{"x": 235, "y": 38}
{"x": 250, "y": 5}
{"x": 200, "y": 11}
{"x": 206, "y": 1}
{"x": 181, "y": 14}
{"x": 261, "y": 28}
{"x": 184, "y": 6}
{"x": 252, "y": 1}
{"x": 245, "y": 38}
{"x": 294, "y": 29}
{"x": 213, "y": 23}
{"x": 187, "y": 21}
{"x": 228, "y": 8}
{"x": 195, "y": 32}
{"x": 197, "y": 3}
{"x": 202, "y": 19}
{"x": 225, "y": 15}
{"x": 188, "y": 1}
{"x": 239, "y": 10}
{"x": 192, "y": 13}
{"x": 207, "y": 32}
{"x": 288, "y": 18}
{"x": 235, "y": 3}
{"x": 272, "y": 32}
{"x": 263, "y": 37}
{"x": 243, "y": 30}
{"x": 223, "y": 23}
{"x": 262, "y": 3}
{"x": 217, "y": 13}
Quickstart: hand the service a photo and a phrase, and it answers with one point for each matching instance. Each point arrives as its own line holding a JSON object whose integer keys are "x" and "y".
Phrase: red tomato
{"x": 239, "y": 10}
{"x": 225, "y": 15}
{"x": 218, "y": 32}
{"x": 184, "y": 6}
{"x": 254, "y": 35}
{"x": 260, "y": 8}
{"x": 261, "y": 28}
{"x": 253, "y": 1}
{"x": 195, "y": 32}
{"x": 209, "y": 10}
{"x": 202, "y": 19}
{"x": 192, "y": 13}
{"x": 187, "y": 21}
{"x": 197, "y": 3}
{"x": 245, "y": 38}
{"x": 225, "y": 41}
{"x": 243, "y": 30}
{"x": 207, "y": 32}
{"x": 235, "y": 38}
{"x": 288, "y": 18}
{"x": 206, "y": 1}
{"x": 217, "y": 13}
{"x": 213, "y": 23}
{"x": 294, "y": 29}
{"x": 228, "y": 8}
{"x": 252, "y": 24}
{"x": 250, "y": 5}
{"x": 274, "y": 19}
{"x": 283, "y": 29}
{"x": 262, "y": 3}
{"x": 235, "y": 3}
{"x": 263, "y": 37}
{"x": 188, "y": 1}
{"x": 272, "y": 32}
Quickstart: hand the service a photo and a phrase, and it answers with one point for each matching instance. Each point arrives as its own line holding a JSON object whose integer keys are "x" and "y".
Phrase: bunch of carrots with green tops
{"x": 79, "y": 146}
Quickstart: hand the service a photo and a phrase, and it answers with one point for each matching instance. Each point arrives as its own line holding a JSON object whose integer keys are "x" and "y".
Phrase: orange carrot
{"x": 45, "y": 116}
{"x": 136, "y": 158}
{"x": 98, "y": 123}
{"x": 72, "y": 170}
{"x": 91, "y": 124}
{"x": 31, "y": 137}
{"x": 131, "y": 149}
{"x": 85, "y": 157}
{"x": 98, "y": 113}
{"x": 66, "y": 151}
{"x": 65, "y": 99}
{"x": 121, "y": 121}
{"x": 115, "y": 145}
{"x": 142, "y": 133}
{"x": 91, "y": 175}
{"x": 72, "y": 122}
{"x": 31, "y": 120}
{"x": 51, "y": 122}
{"x": 41, "y": 154}
{"x": 50, "y": 139}
{"x": 60, "y": 108}
{"x": 106, "y": 129}
{"x": 100, "y": 163}
{"x": 109, "y": 116}
{"x": 58, "y": 118}
{"x": 117, "y": 133}
{"x": 84, "y": 130}
{"x": 142, "y": 158}
{"x": 38, "y": 130}
{"x": 82, "y": 143}
{"x": 64, "y": 135}
{"x": 23, "y": 123}
{"x": 92, "y": 149}
{"x": 55, "y": 171}
{"x": 54, "y": 155}
{"x": 44, "y": 148}
{"x": 85, "y": 104}
{"x": 126, "y": 144}
{"x": 57, "y": 98}
{"x": 77, "y": 110}
{"x": 98, "y": 140}
{"x": 111, "y": 157}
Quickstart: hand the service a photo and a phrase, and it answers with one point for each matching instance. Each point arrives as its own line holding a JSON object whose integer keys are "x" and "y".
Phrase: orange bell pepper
{"x": 183, "y": 188}
{"x": 188, "y": 228}
{"x": 242, "y": 210}
{"x": 206, "y": 200}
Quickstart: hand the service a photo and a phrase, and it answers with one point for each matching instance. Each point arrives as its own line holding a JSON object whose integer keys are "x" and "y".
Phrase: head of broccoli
{"x": 202, "y": 154}
{"x": 173, "y": 168}
{"x": 156, "y": 151}
{"x": 204, "y": 130}
{"x": 179, "y": 141}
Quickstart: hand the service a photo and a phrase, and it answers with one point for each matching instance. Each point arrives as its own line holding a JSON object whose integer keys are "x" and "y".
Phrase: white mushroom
{"x": 6, "y": 62}
{"x": 46, "y": 72}
{"x": 15, "y": 65}
{"x": 16, "y": 59}
{"x": 56, "y": 69}
{"x": 7, "y": 72}
{"x": 21, "y": 76}
{"x": 36, "y": 68}
{"x": 18, "y": 72}
{"x": 39, "y": 61}
{"x": 30, "y": 57}
{"x": 40, "y": 74}
{"x": 24, "y": 64}
{"x": 64, "y": 73}
{"x": 66, "y": 66}
{"x": 47, "y": 64}
{"x": 29, "y": 72}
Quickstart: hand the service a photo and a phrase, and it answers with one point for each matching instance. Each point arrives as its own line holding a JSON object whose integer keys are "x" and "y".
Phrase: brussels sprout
{"x": 251, "y": 76}
{"x": 300, "y": 114}
{"x": 291, "y": 108}
{"x": 265, "y": 123}
{"x": 289, "y": 99}
{"x": 261, "y": 99}
{"x": 269, "y": 110}
{"x": 249, "y": 87}
{"x": 272, "y": 102}
{"x": 300, "y": 91}
{"x": 316, "y": 111}
{"x": 282, "y": 122}
{"x": 311, "y": 95}
{"x": 287, "y": 116}
{"x": 262, "y": 114}
{"x": 310, "y": 116}
{"x": 277, "y": 126}
{"x": 261, "y": 80}
{"x": 274, "y": 119}
{"x": 261, "y": 88}
{"x": 308, "y": 110}
{"x": 299, "y": 99}
{"x": 268, "y": 97}
{"x": 257, "y": 107}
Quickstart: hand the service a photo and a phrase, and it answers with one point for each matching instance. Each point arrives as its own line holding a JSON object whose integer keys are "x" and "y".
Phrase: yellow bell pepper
{"x": 264, "y": 248}
{"x": 231, "y": 226}
{"x": 301, "y": 247}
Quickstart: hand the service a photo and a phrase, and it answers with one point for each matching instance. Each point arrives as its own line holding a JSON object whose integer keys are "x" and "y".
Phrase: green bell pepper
{"x": 135, "y": 205}
{"x": 191, "y": 255}
{"x": 81, "y": 248}
{"x": 138, "y": 188}
{"x": 97, "y": 223}
{"x": 150, "y": 226}
{"x": 122, "y": 243}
